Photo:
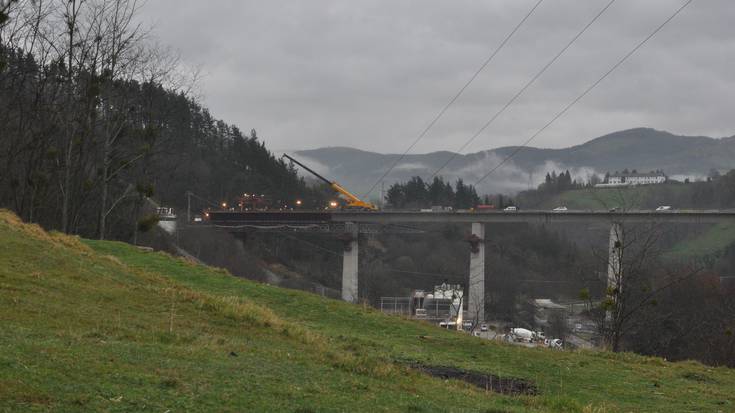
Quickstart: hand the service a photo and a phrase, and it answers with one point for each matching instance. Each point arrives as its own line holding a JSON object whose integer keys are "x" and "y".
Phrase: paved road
{"x": 405, "y": 217}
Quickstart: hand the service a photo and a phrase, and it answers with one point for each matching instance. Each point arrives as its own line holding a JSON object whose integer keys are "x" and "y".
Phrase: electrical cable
{"x": 203, "y": 199}
{"x": 327, "y": 250}
{"x": 454, "y": 99}
{"x": 586, "y": 91}
{"x": 522, "y": 90}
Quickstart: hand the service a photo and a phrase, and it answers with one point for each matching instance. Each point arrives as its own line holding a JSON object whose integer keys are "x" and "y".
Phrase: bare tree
{"x": 4, "y": 9}
{"x": 25, "y": 115}
{"x": 476, "y": 313}
{"x": 120, "y": 54}
{"x": 636, "y": 274}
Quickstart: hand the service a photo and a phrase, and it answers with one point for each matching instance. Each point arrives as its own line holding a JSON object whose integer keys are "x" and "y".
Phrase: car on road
{"x": 554, "y": 343}
{"x": 560, "y": 209}
{"x": 483, "y": 327}
{"x": 510, "y": 209}
{"x": 663, "y": 208}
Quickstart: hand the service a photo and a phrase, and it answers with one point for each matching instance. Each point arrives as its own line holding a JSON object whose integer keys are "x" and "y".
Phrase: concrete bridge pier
{"x": 349, "y": 262}
{"x": 614, "y": 261}
{"x": 615, "y": 256}
{"x": 476, "y": 287}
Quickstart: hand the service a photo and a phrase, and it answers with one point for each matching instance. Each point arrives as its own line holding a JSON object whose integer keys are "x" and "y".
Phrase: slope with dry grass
{"x": 103, "y": 326}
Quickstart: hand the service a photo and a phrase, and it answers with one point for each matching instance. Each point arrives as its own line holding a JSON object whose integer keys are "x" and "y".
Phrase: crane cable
{"x": 586, "y": 91}
{"x": 454, "y": 99}
{"x": 522, "y": 90}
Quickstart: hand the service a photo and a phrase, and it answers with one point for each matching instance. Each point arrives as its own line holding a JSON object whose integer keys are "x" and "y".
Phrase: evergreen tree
{"x": 417, "y": 195}
{"x": 396, "y": 196}
{"x": 438, "y": 193}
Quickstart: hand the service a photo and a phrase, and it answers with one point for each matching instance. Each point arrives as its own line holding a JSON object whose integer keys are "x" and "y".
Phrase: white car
{"x": 554, "y": 343}
{"x": 663, "y": 208}
{"x": 560, "y": 209}
{"x": 483, "y": 327}
{"x": 510, "y": 209}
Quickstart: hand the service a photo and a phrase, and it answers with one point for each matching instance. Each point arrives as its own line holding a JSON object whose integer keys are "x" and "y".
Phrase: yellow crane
{"x": 353, "y": 202}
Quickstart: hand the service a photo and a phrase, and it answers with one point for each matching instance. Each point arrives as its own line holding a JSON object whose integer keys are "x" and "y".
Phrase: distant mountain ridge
{"x": 643, "y": 149}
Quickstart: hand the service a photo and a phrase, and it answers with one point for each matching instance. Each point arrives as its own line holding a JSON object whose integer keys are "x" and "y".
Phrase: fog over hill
{"x": 643, "y": 149}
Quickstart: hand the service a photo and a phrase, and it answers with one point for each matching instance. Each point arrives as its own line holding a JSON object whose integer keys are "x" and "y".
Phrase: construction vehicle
{"x": 353, "y": 202}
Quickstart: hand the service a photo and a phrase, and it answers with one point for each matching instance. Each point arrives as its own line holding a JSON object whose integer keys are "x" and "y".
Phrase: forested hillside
{"x": 95, "y": 117}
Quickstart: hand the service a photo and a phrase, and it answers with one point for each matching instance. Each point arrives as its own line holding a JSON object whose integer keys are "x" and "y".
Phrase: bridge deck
{"x": 278, "y": 217}
{"x": 404, "y": 217}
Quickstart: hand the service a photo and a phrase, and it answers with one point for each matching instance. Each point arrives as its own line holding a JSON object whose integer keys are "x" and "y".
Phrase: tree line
{"x": 554, "y": 184}
{"x": 415, "y": 194}
{"x": 96, "y": 119}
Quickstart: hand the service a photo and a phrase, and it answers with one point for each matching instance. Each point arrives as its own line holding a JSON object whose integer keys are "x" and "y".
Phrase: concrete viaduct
{"x": 350, "y": 224}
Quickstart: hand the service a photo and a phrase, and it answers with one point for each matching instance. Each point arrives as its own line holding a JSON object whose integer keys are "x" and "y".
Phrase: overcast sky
{"x": 372, "y": 74}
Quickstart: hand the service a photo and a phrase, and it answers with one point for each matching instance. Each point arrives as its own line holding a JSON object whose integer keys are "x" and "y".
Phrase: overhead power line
{"x": 586, "y": 91}
{"x": 313, "y": 245}
{"x": 202, "y": 199}
{"x": 522, "y": 90}
{"x": 454, "y": 99}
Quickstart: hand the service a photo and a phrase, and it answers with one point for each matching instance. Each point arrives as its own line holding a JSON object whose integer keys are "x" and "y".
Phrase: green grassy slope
{"x": 637, "y": 197}
{"x": 103, "y": 326}
{"x": 715, "y": 238}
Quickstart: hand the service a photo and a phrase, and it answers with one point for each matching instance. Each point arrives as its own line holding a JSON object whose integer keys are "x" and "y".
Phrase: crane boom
{"x": 307, "y": 168}
{"x": 352, "y": 200}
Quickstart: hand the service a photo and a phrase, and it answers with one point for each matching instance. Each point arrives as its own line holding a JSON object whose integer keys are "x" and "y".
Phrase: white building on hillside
{"x": 637, "y": 178}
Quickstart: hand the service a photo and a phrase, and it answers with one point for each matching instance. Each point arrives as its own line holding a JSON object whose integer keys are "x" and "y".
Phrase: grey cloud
{"x": 509, "y": 178}
{"x": 372, "y": 74}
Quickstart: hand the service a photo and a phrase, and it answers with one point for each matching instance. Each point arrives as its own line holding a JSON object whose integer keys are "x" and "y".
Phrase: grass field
{"x": 714, "y": 239}
{"x": 104, "y": 326}
{"x": 636, "y": 197}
